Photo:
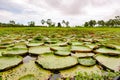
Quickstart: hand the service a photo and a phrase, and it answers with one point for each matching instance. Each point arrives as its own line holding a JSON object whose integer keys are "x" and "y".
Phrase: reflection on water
{"x": 55, "y": 77}
{"x": 28, "y": 58}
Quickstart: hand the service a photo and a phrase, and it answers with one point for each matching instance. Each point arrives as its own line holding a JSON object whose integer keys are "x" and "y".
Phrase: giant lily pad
{"x": 59, "y": 48}
{"x": 105, "y": 50}
{"x": 15, "y": 51}
{"x": 77, "y": 43}
{"x": 88, "y": 61}
{"x": 52, "y": 62}
{"x": 21, "y": 72}
{"x": 1, "y": 51}
{"x": 63, "y": 52}
{"x": 80, "y": 49}
{"x": 61, "y": 44}
{"x": 51, "y": 41}
{"x": 92, "y": 46}
{"x": 8, "y": 62}
{"x": 112, "y": 63}
{"x": 75, "y": 70}
{"x": 20, "y": 45}
{"x": 5, "y": 45}
{"x": 114, "y": 46}
{"x": 34, "y": 43}
{"x": 39, "y": 50}
{"x": 83, "y": 54}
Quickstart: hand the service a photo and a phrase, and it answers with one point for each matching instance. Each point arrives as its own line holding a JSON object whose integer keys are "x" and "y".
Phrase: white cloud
{"x": 75, "y": 11}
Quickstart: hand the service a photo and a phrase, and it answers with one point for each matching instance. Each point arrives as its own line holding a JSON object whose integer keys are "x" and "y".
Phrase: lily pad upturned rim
{"x": 81, "y": 50}
{"x": 112, "y": 52}
{"x": 106, "y": 66}
{"x": 34, "y": 52}
{"x": 8, "y": 52}
{"x": 56, "y": 60}
{"x": 90, "y": 60}
{"x": 11, "y": 66}
{"x": 60, "y": 53}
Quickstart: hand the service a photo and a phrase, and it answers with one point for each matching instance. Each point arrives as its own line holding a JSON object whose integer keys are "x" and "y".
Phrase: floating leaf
{"x": 52, "y": 62}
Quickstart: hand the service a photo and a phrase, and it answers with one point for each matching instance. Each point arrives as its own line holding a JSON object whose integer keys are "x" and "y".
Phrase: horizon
{"x": 75, "y": 11}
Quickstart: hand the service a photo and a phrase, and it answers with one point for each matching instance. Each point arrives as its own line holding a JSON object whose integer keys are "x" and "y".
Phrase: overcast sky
{"x": 74, "y": 11}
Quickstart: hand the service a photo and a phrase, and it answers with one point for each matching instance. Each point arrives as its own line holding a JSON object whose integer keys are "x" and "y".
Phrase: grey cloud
{"x": 10, "y": 6}
{"x": 76, "y": 7}
{"x": 70, "y": 9}
{"x": 99, "y": 2}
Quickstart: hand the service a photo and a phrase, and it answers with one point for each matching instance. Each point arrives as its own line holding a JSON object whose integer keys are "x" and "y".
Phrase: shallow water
{"x": 55, "y": 76}
{"x": 28, "y": 58}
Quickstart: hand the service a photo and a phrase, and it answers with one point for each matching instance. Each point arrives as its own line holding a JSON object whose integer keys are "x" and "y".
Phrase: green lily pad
{"x": 51, "y": 41}
{"x": 1, "y": 51}
{"x": 92, "y": 46}
{"x": 83, "y": 54}
{"x": 52, "y": 62}
{"x": 114, "y": 46}
{"x": 63, "y": 52}
{"x": 8, "y": 62}
{"x": 80, "y": 49}
{"x": 61, "y": 44}
{"x": 32, "y": 44}
{"x": 28, "y": 77}
{"x": 88, "y": 61}
{"x": 20, "y": 45}
{"x": 72, "y": 72}
{"x": 39, "y": 50}
{"x": 5, "y": 45}
{"x": 112, "y": 63}
{"x": 59, "y": 48}
{"x": 108, "y": 51}
{"x": 25, "y": 69}
{"x": 15, "y": 51}
{"x": 77, "y": 43}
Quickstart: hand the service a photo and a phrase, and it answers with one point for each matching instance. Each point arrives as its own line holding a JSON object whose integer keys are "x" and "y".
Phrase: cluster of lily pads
{"x": 68, "y": 55}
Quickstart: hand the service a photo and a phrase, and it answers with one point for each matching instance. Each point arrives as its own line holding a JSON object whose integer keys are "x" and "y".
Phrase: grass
{"x": 112, "y": 34}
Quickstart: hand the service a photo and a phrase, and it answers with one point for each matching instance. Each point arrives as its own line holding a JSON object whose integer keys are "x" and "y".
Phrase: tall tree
{"x": 117, "y": 20}
{"x": 12, "y": 22}
{"x": 49, "y": 22}
{"x": 67, "y": 23}
{"x": 86, "y": 24}
{"x": 101, "y": 23}
{"x": 42, "y": 21}
{"x": 31, "y": 23}
{"x": 59, "y": 24}
{"x": 92, "y": 23}
{"x": 63, "y": 22}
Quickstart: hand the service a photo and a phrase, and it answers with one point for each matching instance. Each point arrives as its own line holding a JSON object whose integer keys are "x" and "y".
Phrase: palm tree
{"x": 63, "y": 22}
{"x": 42, "y": 21}
{"x": 49, "y": 22}
{"x": 67, "y": 23}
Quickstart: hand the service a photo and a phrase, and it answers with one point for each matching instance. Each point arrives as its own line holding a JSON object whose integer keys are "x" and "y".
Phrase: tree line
{"x": 49, "y": 23}
{"x": 45, "y": 23}
{"x": 101, "y": 23}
